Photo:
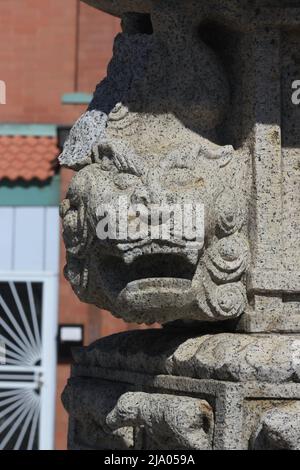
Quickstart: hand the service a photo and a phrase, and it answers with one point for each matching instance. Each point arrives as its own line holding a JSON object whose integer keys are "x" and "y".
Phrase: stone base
{"x": 155, "y": 391}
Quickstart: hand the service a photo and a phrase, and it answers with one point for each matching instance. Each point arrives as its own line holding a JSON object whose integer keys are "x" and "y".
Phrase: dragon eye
{"x": 125, "y": 180}
{"x": 106, "y": 164}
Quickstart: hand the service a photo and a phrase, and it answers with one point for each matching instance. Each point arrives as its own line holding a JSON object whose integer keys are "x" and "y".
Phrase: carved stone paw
{"x": 169, "y": 422}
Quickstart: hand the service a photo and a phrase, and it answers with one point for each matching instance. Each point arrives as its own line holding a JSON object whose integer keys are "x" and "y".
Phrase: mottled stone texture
{"x": 196, "y": 107}
{"x": 155, "y": 390}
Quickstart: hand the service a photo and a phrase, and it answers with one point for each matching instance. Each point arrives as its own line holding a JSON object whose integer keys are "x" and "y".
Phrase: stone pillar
{"x": 185, "y": 210}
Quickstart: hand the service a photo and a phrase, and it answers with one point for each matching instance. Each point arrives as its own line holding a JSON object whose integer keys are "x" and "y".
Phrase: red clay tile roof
{"x": 27, "y": 158}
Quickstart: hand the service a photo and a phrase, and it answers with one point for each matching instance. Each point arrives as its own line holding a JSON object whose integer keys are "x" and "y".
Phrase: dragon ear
{"x": 84, "y": 137}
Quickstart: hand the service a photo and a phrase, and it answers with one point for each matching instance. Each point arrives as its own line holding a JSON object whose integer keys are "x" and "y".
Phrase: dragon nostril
{"x": 144, "y": 200}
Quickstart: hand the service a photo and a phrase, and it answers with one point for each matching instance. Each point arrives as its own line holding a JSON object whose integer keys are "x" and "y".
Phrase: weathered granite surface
{"x": 183, "y": 117}
{"x": 224, "y": 356}
{"x": 243, "y": 391}
{"x": 151, "y": 135}
{"x": 279, "y": 428}
{"x": 197, "y": 110}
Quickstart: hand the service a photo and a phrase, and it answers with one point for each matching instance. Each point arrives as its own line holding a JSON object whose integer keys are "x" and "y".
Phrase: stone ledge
{"x": 225, "y": 356}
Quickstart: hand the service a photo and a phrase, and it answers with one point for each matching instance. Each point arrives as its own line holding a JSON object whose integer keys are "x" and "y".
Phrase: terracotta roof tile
{"x": 27, "y": 158}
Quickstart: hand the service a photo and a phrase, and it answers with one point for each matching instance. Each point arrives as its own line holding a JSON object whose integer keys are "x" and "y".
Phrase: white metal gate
{"x": 28, "y": 326}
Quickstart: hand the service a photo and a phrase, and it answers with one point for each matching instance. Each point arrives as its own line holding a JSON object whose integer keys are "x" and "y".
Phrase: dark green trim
{"x": 30, "y": 194}
{"x": 76, "y": 98}
{"x": 36, "y": 130}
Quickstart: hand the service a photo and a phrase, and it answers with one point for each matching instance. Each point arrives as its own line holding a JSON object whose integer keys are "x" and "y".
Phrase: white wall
{"x": 29, "y": 239}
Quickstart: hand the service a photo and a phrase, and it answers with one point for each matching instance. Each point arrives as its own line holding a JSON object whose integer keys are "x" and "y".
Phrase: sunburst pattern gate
{"x": 27, "y": 362}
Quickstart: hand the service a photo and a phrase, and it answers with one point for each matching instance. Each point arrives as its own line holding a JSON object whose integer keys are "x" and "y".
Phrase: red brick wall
{"x": 37, "y": 59}
{"x": 49, "y": 48}
{"x": 96, "y": 33}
